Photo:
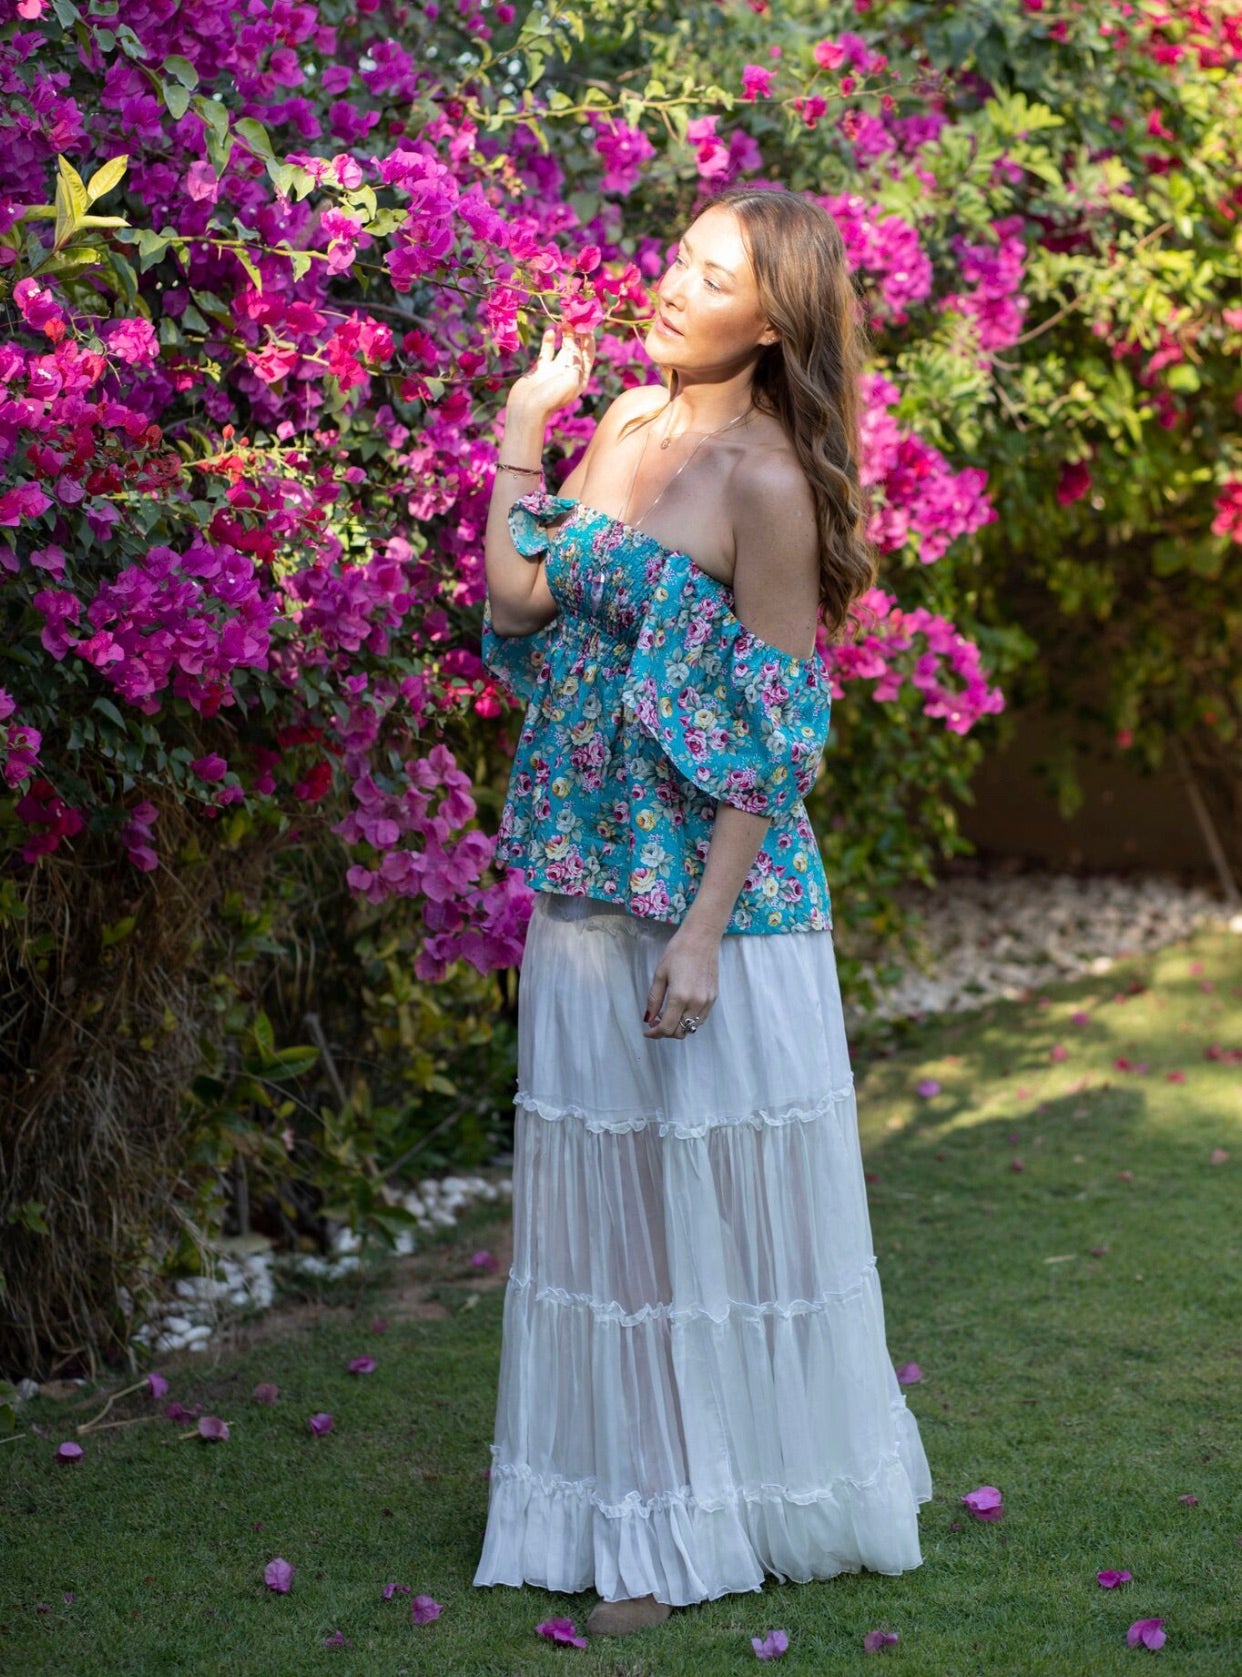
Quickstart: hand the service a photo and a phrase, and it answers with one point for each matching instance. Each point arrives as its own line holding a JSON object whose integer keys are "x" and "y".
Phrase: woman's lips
{"x": 665, "y": 327}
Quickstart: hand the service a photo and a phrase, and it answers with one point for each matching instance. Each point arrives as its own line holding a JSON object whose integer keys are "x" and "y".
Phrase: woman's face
{"x": 707, "y": 308}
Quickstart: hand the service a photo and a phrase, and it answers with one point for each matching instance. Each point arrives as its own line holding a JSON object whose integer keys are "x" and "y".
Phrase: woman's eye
{"x": 712, "y": 284}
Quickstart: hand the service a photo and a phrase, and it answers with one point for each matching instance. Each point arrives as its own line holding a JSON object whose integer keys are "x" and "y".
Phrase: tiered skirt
{"x": 695, "y": 1388}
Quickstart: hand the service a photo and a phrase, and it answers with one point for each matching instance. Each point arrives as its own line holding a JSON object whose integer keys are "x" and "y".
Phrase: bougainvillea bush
{"x": 267, "y": 270}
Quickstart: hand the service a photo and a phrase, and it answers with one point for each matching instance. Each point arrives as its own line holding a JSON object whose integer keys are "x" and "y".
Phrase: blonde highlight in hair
{"x": 809, "y": 379}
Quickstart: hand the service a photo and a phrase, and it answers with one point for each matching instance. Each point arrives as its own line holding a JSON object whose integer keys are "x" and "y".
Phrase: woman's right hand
{"x": 558, "y": 377}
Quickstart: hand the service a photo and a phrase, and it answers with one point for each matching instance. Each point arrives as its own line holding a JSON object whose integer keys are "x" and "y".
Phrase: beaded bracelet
{"x": 526, "y": 471}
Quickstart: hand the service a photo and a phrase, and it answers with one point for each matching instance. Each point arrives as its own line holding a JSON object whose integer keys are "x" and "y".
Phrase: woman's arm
{"x": 517, "y": 590}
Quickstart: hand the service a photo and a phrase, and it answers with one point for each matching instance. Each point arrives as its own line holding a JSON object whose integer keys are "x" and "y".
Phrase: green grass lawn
{"x": 1096, "y": 1391}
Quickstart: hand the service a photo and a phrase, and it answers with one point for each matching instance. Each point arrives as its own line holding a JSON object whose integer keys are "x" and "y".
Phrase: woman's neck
{"x": 702, "y": 406}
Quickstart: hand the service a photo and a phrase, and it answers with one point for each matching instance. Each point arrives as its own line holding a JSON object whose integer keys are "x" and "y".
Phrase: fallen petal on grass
{"x": 926, "y": 1090}
{"x": 876, "y": 1641}
{"x": 561, "y": 1630}
{"x": 1190, "y": 1499}
{"x": 771, "y": 1646}
{"x": 985, "y": 1503}
{"x": 319, "y": 1424}
{"x": 484, "y": 1260}
{"x": 278, "y": 1575}
{"x": 157, "y": 1385}
{"x": 1109, "y": 1580}
{"x": 362, "y": 1365}
{"x": 392, "y": 1588}
{"x": 1220, "y": 1156}
{"x": 423, "y": 1609}
{"x": 69, "y": 1452}
{"x": 265, "y": 1392}
{"x": 1147, "y": 1632}
{"x": 909, "y": 1374}
{"x": 338, "y": 1639}
{"x": 212, "y": 1427}
{"x": 1058, "y": 1052}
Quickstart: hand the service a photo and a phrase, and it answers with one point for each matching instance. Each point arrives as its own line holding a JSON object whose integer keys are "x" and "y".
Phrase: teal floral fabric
{"x": 647, "y": 703}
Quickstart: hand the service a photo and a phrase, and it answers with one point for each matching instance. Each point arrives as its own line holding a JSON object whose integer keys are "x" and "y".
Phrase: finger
{"x": 655, "y": 998}
{"x": 547, "y": 346}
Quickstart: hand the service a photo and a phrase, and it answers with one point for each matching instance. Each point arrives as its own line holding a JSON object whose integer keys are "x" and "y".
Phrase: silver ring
{"x": 689, "y": 1025}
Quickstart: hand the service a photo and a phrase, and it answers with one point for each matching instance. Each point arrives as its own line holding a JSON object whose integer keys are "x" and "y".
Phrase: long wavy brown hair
{"x": 809, "y": 379}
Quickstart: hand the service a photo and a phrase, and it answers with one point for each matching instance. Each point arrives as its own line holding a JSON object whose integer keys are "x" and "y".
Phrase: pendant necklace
{"x": 616, "y": 532}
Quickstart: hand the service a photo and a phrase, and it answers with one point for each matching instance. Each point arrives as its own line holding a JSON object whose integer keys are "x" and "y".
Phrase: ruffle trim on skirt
{"x": 600, "y": 1121}
{"x": 609, "y": 1310}
{"x": 560, "y": 1535}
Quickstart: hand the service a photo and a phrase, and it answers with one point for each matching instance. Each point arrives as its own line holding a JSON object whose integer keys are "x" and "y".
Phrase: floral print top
{"x": 647, "y": 702}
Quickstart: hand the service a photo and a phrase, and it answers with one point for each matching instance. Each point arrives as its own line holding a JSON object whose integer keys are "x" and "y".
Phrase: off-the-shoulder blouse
{"x": 647, "y": 703}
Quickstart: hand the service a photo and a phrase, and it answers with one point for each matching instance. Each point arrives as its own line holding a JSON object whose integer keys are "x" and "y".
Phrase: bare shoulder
{"x": 771, "y": 504}
{"x": 638, "y": 402}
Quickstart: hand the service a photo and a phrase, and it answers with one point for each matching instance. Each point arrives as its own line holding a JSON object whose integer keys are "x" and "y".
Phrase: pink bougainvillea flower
{"x": 278, "y": 1575}
{"x": 484, "y": 1260}
{"x": 877, "y": 1640}
{"x": 362, "y": 1365}
{"x": 265, "y": 1392}
{"x": 927, "y": 1088}
{"x": 1146, "y": 1631}
{"x": 424, "y": 1608}
{"x": 561, "y": 1630}
{"x": 908, "y": 1374}
{"x": 320, "y": 1424}
{"x": 157, "y": 1386}
{"x": 1109, "y": 1580}
{"x": 1080, "y": 1018}
{"x": 338, "y": 1639}
{"x": 211, "y": 1426}
{"x": 69, "y": 1452}
{"x": 985, "y": 1503}
{"x": 1190, "y": 1499}
{"x": 1058, "y": 1052}
{"x": 210, "y": 768}
{"x": 393, "y": 1588}
{"x": 771, "y": 1646}
{"x": 1175, "y": 1076}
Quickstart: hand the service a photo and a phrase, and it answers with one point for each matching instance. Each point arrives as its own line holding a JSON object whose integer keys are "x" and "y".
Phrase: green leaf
{"x": 264, "y": 1036}
{"x": 248, "y": 264}
{"x": 117, "y": 931}
{"x": 303, "y": 262}
{"x": 177, "y": 98}
{"x": 255, "y": 136}
{"x": 181, "y": 69}
{"x": 106, "y": 708}
{"x": 108, "y": 176}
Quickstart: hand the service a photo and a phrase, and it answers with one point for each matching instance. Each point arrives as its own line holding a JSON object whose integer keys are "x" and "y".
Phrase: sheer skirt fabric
{"x": 695, "y": 1389}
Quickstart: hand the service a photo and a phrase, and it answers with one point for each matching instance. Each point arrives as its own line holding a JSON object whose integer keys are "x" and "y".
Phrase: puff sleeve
{"x": 515, "y": 660}
{"x": 741, "y": 719}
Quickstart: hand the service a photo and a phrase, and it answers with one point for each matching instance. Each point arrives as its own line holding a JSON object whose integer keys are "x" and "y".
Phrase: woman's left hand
{"x": 687, "y": 981}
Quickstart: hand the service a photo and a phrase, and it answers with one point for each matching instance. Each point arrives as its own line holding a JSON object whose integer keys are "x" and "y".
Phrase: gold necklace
{"x": 706, "y": 437}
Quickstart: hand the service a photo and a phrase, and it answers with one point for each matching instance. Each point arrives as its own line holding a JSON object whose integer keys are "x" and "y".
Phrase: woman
{"x": 695, "y": 1389}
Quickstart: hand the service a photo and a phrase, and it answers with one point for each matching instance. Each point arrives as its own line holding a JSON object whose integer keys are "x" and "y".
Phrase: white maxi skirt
{"x": 695, "y": 1388}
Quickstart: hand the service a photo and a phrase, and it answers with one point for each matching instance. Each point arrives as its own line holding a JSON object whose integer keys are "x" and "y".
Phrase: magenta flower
{"x": 69, "y": 1452}
{"x": 178, "y": 1412}
{"x": 1058, "y": 1052}
{"x": 393, "y": 1588}
{"x": 984, "y": 1503}
{"x": 362, "y": 1365}
{"x": 211, "y": 1426}
{"x": 909, "y": 1374}
{"x": 1110, "y": 1580}
{"x": 1080, "y": 1018}
{"x": 484, "y": 1260}
{"x": 423, "y": 1609}
{"x": 876, "y": 1641}
{"x": 278, "y": 1575}
{"x": 1190, "y": 1499}
{"x": 265, "y": 1392}
{"x": 771, "y": 1646}
{"x": 561, "y": 1630}
{"x": 338, "y": 1639}
{"x": 157, "y": 1385}
{"x": 319, "y": 1424}
{"x": 927, "y": 1088}
{"x": 210, "y": 768}
{"x": 1146, "y": 1631}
